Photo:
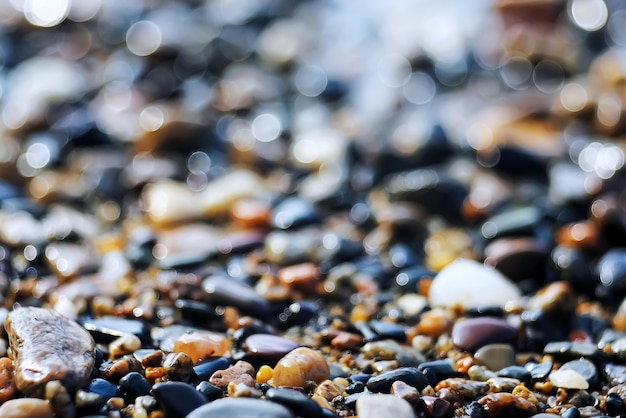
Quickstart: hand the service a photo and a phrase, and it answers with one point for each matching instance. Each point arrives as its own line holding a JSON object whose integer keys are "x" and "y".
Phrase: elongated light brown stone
{"x": 48, "y": 346}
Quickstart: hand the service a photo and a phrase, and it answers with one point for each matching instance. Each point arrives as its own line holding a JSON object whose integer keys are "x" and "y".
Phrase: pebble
{"x": 241, "y": 408}
{"x": 204, "y": 370}
{"x": 178, "y": 366}
{"x": 615, "y": 373}
{"x": 495, "y": 356}
{"x": 516, "y": 372}
{"x": 26, "y": 407}
{"x": 503, "y": 404}
{"x": 134, "y": 384}
{"x": 7, "y": 380}
{"x": 463, "y": 387}
{"x": 177, "y": 399}
{"x": 436, "y": 407}
{"x": 268, "y": 346}
{"x": 585, "y": 368}
{"x": 210, "y": 392}
{"x": 102, "y": 388}
{"x": 401, "y": 390}
{"x": 502, "y": 384}
{"x": 568, "y": 379}
{"x": 471, "y": 284}
{"x": 377, "y": 405}
{"x": 221, "y": 291}
{"x": 202, "y": 344}
{"x": 293, "y": 212}
{"x": 126, "y": 344}
{"x": 299, "y": 403}
{"x": 474, "y": 333}
{"x": 299, "y": 366}
{"x": 48, "y": 346}
{"x": 240, "y": 372}
{"x": 540, "y": 371}
{"x": 409, "y": 375}
{"x": 107, "y": 329}
{"x": 392, "y": 350}
{"x": 519, "y": 258}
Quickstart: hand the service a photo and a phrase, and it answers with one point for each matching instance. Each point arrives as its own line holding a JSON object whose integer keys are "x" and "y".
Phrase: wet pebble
{"x": 471, "y": 284}
{"x": 202, "y": 344}
{"x": 539, "y": 371}
{"x": 502, "y": 404}
{"x": 495, "y": 356}
{"x": 178, "y": 366}
{"x": 377, "y": 405}
{"x": 299, "y": 403}
{"x": 177, "y": 399}
{"x": 47, "y": 346}
{"x": 392, "y": 350}
{"x": 436, "y": 407}
{"x": 241, "y": 408}
{"x": 26, "y": 407}
{"x": 134, "y": 384}
{"x": 299, "y": 366}
{"x": 401, "y": 390}
{"x": 102, "y": 388}
{"x": 585, "y": 368}
{"x": 221, "y": 291}
{"x": 474, "y": 333}
{"x": 568, "y": 379}
{"x": 615, "y": 373}
{"x": 268, "y": 346}
{"x": 240, "y": 372}
{"x": 204, "y": 370}
{"x": 516, "y": 372}
{"x": 210, "y": 392}
{"x": 408, "y": 375}
{"x": 107, "y": 329}
{"x": 463, "y": 387}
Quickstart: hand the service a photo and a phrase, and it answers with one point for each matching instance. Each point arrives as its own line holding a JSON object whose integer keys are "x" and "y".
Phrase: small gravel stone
{"x": 178, "y": 366}
{"x": 47, "y": 346}
{"x": 241, "y": 408}
{"x": 126, "y": 344}
{"x": 404, "y": 391}
{"x": 464, "y": 387}
{"x": 240, "y": 372}
{"x": 377, "y": 405}
{"x": 392, "y": 350}
{"x": 135, "y": 384}
{"x": 504, "y": 404}
{"x": 102, "y": 388}
{"x": 204, "y": 370}
{"x": 568, "y": 379}
{"x": 436, "y": 407}
{"x": 26, "y": 407}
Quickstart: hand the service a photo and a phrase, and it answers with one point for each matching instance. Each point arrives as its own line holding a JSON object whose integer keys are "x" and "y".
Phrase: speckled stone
{"x": 241, "y": 408}
{"x": 48, "y": 346}
{"x": 505, "y": 404}
{"x": 474, "y": 333}
{"x": 471, "y": 284}
{"x": 378, "y": 405}
{"x": 495, "y": 356}
{"x": 240, "y": 372}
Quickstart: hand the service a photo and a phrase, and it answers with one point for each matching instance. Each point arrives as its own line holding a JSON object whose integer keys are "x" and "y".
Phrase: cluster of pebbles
{"x": 312, "y": 209}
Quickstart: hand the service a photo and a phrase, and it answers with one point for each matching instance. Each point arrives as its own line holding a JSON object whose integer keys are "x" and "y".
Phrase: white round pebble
{"x": 568, "y": 379}
{"x": 471, "y": 284}
{"x": 412, "y": 303}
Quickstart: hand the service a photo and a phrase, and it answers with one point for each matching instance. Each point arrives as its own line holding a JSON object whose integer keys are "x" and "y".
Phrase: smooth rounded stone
{"x": 399, "y": 389}
{"x": 392, "y": 350}
{"x": 299, "y": 403}
{"x": 178, "y": 366}
{"x": 495, "y": 356}
{"x": 107, "y": 329}
{"x": 204, "y": 370}
{"x": 619, "y": 348}
{"x": 299, "y": 366}
{"x": 47, "y": 346}
{"x": 471, "y": 284}
{"x": 177, "y": 399}
{"x": 202, "y": 344}
{"x": 293, "y": 212}
{"x": 88, "y": 400}
{"x": 480, "y": 373}
{"x": 26, "y": 407}
{"x": 240, "y": 372}
{"x": 474, "y": 333}
{"x": 378, "y": 405}
{"x": 221, "y": 291}
{"x": 103, "y": 388}
{"x": 516, "y": 372}
{"x": 135, "y": 384}
{"x": 568, "y": 379}
{"x": 615, "y": 373}
{"x": 557, "y": 298}
{"x": 210, "y": 392}
{"x": 585, "y": 368}
{"x": 268, "y": 346}
{"x": 408, "y": 279}
{"x": 572, "y": 350}
{"x": 517, "y": 221}
{"x": 292, "y": 246}
{"x": 241, "y": 408}
{"x": 437, "y": 370}
{"x": 463, "y": 387}
{"x": 388, "y": 330}
{"x": 505, "y": 404}
{"x": 409, "y": 375}
{"x": 436, "y": 407}
{"x": 168, "y": 202}
{"x": 502, "y": 384}
{"x": 7, "y": 380}
{"x": 545, "y": 415}
{"x": 611, "y": 269}
{"x": 572, "y": 412}
{"x": 518, "y": 258}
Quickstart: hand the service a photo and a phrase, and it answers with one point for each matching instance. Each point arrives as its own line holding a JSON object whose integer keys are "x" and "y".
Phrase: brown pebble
{"x": 502, "y": 404}
{"x": 436, "y": 407}
{"x": 299, "y": 366}
{"x": 328, "y": 390}
{"x": 495, "y": 356}
{"x": 347, "y": 341}
{"x": 121, "y": 368}
{"x": 251, "y": 213}
{"x": 582, "y": 235}
{"x": 502, "y": 384}
{"x": 556, "y": 297}
{"x": 178, "y": 366}
{"x": 434, "y": 323}
{"x": 26, "y": 407}
{"x": 449, "y": 396}
{"x": 463, "y": 387}
{"x": 60, "y": 400}
{"x": 303, "y": 277}
{"x": 201, "y": 344}
{"x": 240, "y": 372}
{"x": 404, "y": 391}
{"x": 7, "y": 382}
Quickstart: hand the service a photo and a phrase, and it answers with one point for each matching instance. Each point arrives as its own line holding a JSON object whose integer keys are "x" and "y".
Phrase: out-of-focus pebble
{"x": 379, "y": 404}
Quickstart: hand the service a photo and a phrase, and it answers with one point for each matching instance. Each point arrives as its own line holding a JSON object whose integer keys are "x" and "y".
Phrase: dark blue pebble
{"x": 366, "y": 331}
{"x": 135, "y": 384}
{"x": 241, "y": 408}
{"x": 205, "y": 370}
{"x": 221, "y": 291}
{"x": 210, "y": 392}
{"x": 409, "y": 375}
{"x": 299, "y": 403}
{"x": 195, "y": 311}
{"x": 572, "y": 412}
{"x": 614, "y": 404}
{"x": 360, "y": 377}
{"x": 177, "y": 399}
{"x": 474, "y": 410}
{"x": 388, "y": 330}
{"x": 103, "y": 388}
{"x": 516, "y": 372}
{"x": 442, "y": 368}
{"x": 350, "y": 401}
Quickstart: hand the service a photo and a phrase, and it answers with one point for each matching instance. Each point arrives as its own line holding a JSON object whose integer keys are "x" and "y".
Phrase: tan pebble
{"x": 116, "y": 403}
{"x": 60, "y": 400}
{"x": 300, "y": 365}
{"x": 328, "y": 390}
{"x": 126, "y": 344}
{"x": 522, "y": 391}
{"x": 240, "y": 372}
{"x": 201, "y": 344}
{"x": 302, "y": 277}
{"x": 434, "y": 323}
{"x": 323, "y": 402}
{"x": 122, "y": 367}
{"x": 422, "y": 343}
{"x": 555, "y": 297}
{"x": 545, "y": 387}
{"x": 26, "y": 408}
{"x": 7, "y": 382}
{"x": 502, "y": 384}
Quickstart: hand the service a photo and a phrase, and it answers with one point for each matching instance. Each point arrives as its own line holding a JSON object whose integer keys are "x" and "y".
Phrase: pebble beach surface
{"x": 312, "y": 209}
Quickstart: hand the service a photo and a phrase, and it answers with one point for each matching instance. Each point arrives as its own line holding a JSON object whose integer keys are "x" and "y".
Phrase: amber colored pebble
{"x": 581, "y": 235}
{"x": 7, "y": 381}
{"x": 347, "y": 341}
{"x": 299, "y": 366}
{"x": 153, "y": 360}
{"x": 328, "y": 390}
{"x": 424, "y": 286}
{"x": 434, "y": 323}
{"x": 545, "y": 387}
{"x": 201, "y": 344}
{"x": 463, "y": 365}
{"x": 154, "y": 373}
{"x": 500, "y": 404}
{"x": 300, "y": 276}
{"x": 251, "y": 213}
{"x": 523, "y": 392}
{"x": 264, "y": 374}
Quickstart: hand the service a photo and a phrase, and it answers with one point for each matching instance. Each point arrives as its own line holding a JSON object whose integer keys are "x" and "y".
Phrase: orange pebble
{"x": 7, "y": 381}
{"x": 463, "y": 365}
{"x": 251, "y": 213}
{"x": 201, "y": 344}
{"x": 300, "y": 276}
{"x": 154, "y": 373}
{"x": 434, "y": 323}
{"x": 264, "y": 374}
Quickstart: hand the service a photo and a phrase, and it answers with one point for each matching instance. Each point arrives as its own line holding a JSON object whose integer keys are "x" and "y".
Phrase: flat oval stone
{"x": 472, "y": 334}
{"x": 296, "y": 401}
{"x": 495, "y": 356}
{"x": 223, "y": 291}
{"x": 471, "y": 284}
{"x": 568, "y": 379}
{"x": 48, "y": 346}
{"x": 267, "y": 345}
{"x": 177, "y": 399}
{"x": 241, "y": 408}
{"x": 379, "y": 405}
{"x": 408, "y": 375}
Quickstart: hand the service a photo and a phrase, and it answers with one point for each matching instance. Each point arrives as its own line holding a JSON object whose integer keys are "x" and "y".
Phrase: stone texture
{"x": 240, "y": 372}
{"x": 241, "y": 408}
{"x": 472, "y": 334}
{"x": 26, "y": 407}
{"x": 299, "y": 366}
{"x": 48, "y": 346}
{"x": 379, "y": 405}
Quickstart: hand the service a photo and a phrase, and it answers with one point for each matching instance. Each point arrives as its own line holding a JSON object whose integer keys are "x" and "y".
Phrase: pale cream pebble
{"x": 26, "y": 408}
{"x": 299, "y": 366}
{"x": 60, "y": 400}
{"x": 422, "y": 343}
{"x": 126, "y": 344}
{"x": 568, "y": 379}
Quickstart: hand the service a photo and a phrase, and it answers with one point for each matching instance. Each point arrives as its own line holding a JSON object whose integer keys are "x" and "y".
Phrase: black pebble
{"x": 103, "y": 388}
{"x": 134, "y": 384}
{"x": 515, "y": 372}
{"x": 409, "y": 375}
{"x": 177, "y": 399}
{"x": 211, "y": 392}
